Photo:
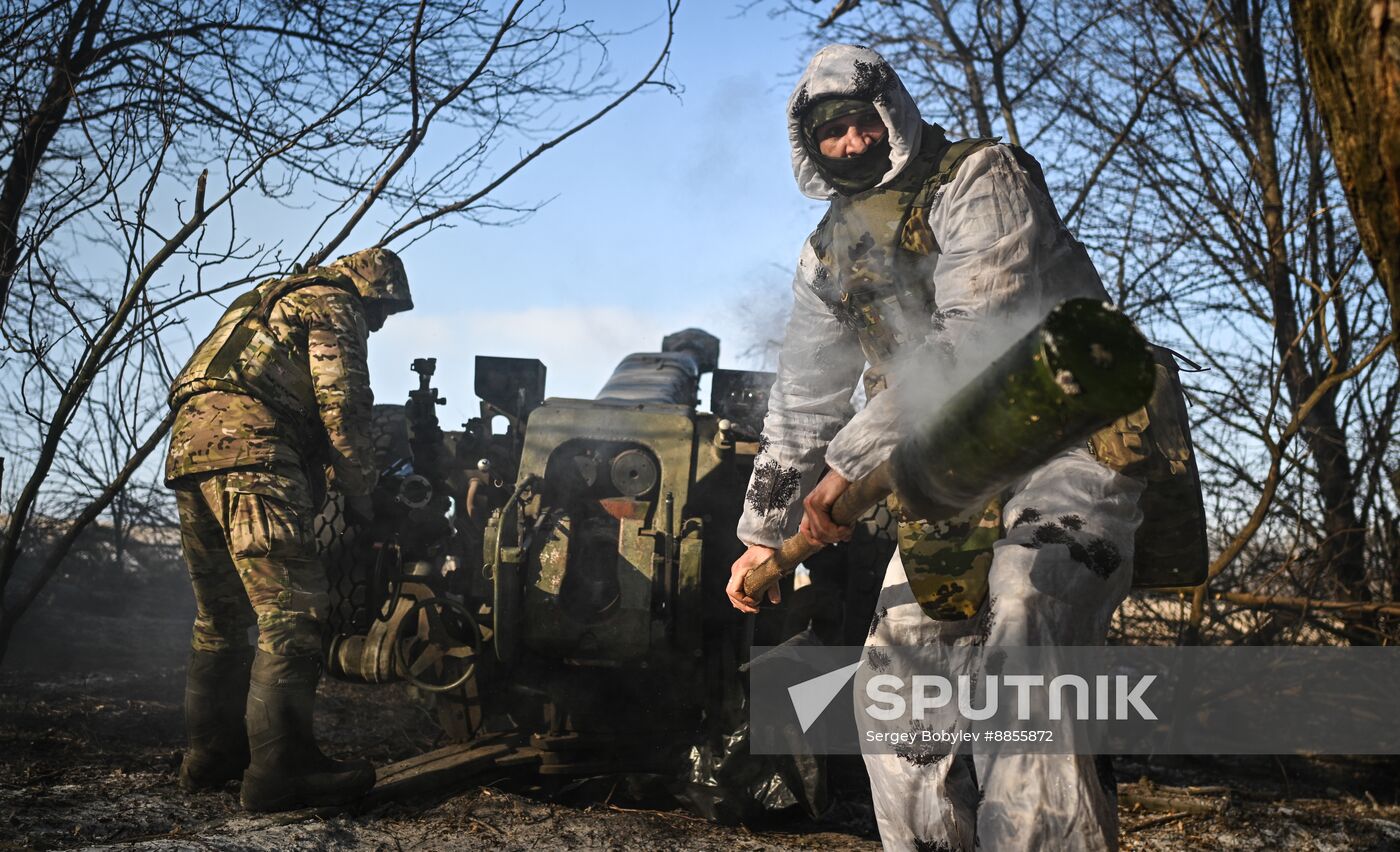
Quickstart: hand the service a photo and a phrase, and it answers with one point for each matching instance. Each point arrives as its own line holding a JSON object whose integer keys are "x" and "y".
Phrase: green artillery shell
{"x": 1083, "y": 367}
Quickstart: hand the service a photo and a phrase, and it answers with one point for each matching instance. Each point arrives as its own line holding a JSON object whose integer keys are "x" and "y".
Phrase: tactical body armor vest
{"x": 877, "y": 256}
{"x": 242, "y": 355}
{"x": 878, "y": 253}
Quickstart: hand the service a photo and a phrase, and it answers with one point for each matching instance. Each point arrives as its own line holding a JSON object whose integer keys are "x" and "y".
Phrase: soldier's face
{"x": 850, "y": 135}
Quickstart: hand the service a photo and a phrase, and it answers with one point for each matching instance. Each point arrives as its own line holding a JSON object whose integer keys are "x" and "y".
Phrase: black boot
{"x": 288, "y": 770}
{"x": 216, "y": 691}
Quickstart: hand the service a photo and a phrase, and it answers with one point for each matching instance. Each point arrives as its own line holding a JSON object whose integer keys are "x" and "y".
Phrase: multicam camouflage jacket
{"x": 996, "y": 259}
{"x": 281, "y": 381}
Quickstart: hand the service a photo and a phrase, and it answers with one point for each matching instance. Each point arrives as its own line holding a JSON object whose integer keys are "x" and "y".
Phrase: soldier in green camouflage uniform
{"x": 274, "y": 401}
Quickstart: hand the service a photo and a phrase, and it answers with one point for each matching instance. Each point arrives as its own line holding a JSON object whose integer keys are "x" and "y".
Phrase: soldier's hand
{"x": 359, "y": 510}
{"x": 755, "y": 556}
{"x": 817, "y": 525}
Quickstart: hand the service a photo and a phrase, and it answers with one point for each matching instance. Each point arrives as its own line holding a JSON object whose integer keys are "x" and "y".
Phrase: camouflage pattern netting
{"x": 351, "y": 600}
{"x": 880, "y": 523}
{"x": 347, "y": 610}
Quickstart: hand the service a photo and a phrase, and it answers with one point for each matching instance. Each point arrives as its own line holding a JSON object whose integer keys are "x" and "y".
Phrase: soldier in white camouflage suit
{"x": 945, "y": 249}
{"x": 273, "y": 401}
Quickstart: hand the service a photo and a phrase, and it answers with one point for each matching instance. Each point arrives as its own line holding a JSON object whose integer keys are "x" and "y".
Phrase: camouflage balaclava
{"x": 849, "y": 175}
{"x": 378, "y": 276}
{"x": 838, "y": 75}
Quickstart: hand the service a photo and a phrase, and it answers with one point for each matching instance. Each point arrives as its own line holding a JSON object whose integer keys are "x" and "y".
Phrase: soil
{"x": 91, "y": 732}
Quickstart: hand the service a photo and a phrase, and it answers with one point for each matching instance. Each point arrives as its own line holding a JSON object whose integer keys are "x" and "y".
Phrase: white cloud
{"x": 579, "y": 347}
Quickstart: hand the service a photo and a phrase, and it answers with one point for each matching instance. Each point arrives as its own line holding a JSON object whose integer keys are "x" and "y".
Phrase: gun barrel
{"x": 1081, "y": 368}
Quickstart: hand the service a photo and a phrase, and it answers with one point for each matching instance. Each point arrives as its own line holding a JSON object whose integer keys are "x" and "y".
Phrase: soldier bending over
{"x": 275, "y": 399}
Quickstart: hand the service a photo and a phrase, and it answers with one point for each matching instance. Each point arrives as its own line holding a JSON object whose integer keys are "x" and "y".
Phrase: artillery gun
{"x": 575, "y": 626}
{"x": 550, "y": 578}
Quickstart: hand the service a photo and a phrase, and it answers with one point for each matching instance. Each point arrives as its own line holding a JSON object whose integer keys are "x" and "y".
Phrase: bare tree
{"x": 112, "y": 226}
{"x": 1235, "y": 167}
{"x": 1353, "y": 50}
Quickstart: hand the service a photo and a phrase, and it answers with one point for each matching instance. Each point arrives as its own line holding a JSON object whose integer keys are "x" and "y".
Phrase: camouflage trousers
{"x": 252, "y": 559}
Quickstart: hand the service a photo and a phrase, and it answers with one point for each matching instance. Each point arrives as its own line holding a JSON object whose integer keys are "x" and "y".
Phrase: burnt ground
{"x": 90, "y": 733}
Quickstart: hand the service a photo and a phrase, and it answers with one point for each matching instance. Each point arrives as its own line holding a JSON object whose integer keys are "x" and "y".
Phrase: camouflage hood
{"x": 849, "y": 71}
{"x": 378, "y": 276}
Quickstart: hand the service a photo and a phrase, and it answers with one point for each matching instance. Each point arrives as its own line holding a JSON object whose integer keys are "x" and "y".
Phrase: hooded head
{"x": 379, "y": 278}
{"x": 843, "y": 79}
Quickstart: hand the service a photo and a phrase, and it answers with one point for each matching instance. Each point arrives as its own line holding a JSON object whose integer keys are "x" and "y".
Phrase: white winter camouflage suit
{"x": 1005, "y": 261}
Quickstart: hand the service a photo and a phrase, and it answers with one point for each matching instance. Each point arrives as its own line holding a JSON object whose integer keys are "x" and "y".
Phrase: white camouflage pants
{"x": 1056, "y": 578}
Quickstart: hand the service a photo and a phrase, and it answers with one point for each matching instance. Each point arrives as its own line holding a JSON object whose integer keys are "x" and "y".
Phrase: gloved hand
{"x": 359, "y": 510}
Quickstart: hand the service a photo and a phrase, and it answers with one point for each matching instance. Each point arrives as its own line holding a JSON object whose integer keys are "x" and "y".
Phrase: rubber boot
{"x": 288, "y": 770}
{"x": 216, "y": 691}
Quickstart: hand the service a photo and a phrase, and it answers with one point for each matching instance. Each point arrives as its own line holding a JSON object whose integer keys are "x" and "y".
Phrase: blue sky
{"x": 674, "y": 211}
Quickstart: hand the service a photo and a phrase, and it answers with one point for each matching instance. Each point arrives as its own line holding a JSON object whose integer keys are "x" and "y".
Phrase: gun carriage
{"x": 550, "y": 577}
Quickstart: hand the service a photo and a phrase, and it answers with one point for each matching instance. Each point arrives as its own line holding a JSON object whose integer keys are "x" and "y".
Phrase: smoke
{"x": 762, "y": 311}
{"x": 980, "y": 315}
{"x": 108, "y": 611}
{"x": 959, "y": 350}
